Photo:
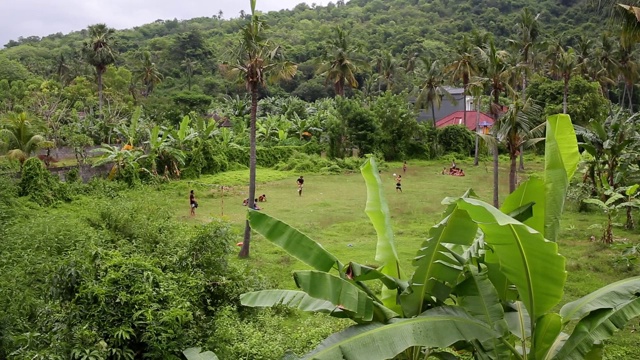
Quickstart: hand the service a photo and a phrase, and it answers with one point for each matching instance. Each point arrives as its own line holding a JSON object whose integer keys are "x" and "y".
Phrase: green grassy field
{"x": 331, "y": 211}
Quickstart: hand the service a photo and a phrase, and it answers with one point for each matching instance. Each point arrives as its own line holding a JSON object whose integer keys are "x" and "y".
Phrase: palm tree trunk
{"x": 475, "y": 157}
{"x": 521, "y": 157}
{"x": 433, "y": 114}
{"x": 496, "y": 201}
{"x": 464, "y": 100}
{"x": 244, "y": 252}
{"x": 564, "y": 98}
{"x": 512, "y": 173}
{"x": 630, "y": 94}
{"x": 630, "y": 225}
{"x": 100, "y": 91}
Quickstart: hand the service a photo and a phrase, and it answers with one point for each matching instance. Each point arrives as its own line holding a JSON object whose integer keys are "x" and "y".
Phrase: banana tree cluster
{"x": 485, "y": 280}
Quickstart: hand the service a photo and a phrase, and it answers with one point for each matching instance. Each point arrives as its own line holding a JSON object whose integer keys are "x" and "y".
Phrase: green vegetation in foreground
{"x": 332, "y": 211}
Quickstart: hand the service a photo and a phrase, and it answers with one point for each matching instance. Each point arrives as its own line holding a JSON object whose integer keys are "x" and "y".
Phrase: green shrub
{"x": 40, "y": 186}
{"x": 456, "y": 139}
{"x": 72, "y": 175}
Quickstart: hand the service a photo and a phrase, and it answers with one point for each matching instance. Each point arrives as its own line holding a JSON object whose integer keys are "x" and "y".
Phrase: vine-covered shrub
{"x": 40, "y": 186}
{"x": 304, "y": 163}
{"x": 456, "y": 139}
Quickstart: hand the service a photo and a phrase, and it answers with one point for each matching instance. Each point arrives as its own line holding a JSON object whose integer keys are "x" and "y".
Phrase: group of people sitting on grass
{"x": 453, "y": 170}
{"x": 261, "y": 198}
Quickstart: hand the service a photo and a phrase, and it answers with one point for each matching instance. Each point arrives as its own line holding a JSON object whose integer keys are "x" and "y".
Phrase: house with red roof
{"x": 457, "y": 118}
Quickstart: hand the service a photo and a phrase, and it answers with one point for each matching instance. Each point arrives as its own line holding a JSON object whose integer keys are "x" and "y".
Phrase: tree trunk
{"x": 513, "y": 173}
{"x": 521, "y": 157}
{"x": 496, "y": 168}
{"x": 630, "y": 225}
{"x": 475, "y": 157}
{"x": 244, "y": 252}
{"x": 630, "y": 93}
{"x": 564, "y": 98}
{"x": 464, "y": 99}
{"x": 99, "y": 71}
{"x": 433, "y": 114}
{"x": 607, "y": 236}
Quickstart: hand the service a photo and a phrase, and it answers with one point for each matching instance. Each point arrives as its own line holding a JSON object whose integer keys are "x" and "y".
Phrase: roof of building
{"x": 455, "y": 118}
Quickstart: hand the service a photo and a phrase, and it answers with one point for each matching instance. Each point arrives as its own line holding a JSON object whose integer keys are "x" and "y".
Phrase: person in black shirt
{"x": 300, "y": 184}
{"x": 193, "y": 203}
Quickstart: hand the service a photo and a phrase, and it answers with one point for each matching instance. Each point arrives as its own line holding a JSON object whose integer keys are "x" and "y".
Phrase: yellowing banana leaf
{"x": 528, "y": 261}
{"x": 341, "y": 293}
{"x": 378, "y": 212}
{"x": 439, "y": 327}
{"x": 195, "y": 354}
{"x": 437, "y": 270}
{"x": 293, "y": 241}
{"x": 291, "y": 298}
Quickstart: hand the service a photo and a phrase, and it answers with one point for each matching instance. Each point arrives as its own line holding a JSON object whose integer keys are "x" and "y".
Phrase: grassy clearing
{"x": 331, "y": 211}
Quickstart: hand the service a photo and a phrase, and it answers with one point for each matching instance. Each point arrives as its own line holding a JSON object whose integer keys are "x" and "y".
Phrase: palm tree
{"x": 256, "y": 61}
{"x": 496, "y": 74}
{"x": 432, "y": 89}
{"x": 629, "y": 69}
{"x": 476, "y": 88}
{"x": 189, "y": 66}
{"x": 605, "y": 67}
{"x": 566, "y": 64}
{"x": 148, "y": 73}
{"x": 514, "y": 129}
{"x": 99, "y": 53}
{"x": 463, "y": 67}
{"x": 340, "y": 63}
{"x": 19, "y": 135}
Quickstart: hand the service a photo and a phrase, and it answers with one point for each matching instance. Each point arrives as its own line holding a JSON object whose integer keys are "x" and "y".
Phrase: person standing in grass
{"x": 404, "y": 167}
{"x": 399, "y": 183}
{"x": 193, "y": 204}
{"x": 300, "y": 183}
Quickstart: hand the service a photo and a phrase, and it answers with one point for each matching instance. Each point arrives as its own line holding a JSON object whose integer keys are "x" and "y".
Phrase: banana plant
{"x": 483, "y": 281}
{"x": 612, "y": 206}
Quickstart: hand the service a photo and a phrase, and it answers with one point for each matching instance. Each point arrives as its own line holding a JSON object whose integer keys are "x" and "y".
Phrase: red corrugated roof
{"x": 470, "y": 122}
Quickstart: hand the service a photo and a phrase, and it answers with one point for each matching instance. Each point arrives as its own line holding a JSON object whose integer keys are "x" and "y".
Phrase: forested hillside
{"x": 187, "y": 53}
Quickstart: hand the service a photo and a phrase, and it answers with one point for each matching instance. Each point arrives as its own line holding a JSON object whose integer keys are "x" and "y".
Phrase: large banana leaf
{"x": 529, "y": 191}
{"x": 341, "y": 293}
{"x": 439, "y": 327}
{"x": 292, "y": 241}
{"x": 561, "y": 161}
{"x": 437, "y": 270}
{"x": 479, "y": 298}
{"x": 358, "y": 272}
{"x": 608, "y": 297}
{"x": 195, "y": 354}
{"x": 528, "y": 261}
{"x": 378, "y": 212}
{"x": 548, "y": 328}
{"x": 291, "y": 298}
{"x": 596, "y": 327}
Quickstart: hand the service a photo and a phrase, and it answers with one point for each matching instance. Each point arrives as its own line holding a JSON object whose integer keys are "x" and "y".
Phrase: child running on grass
{"x": 300, "y": 183}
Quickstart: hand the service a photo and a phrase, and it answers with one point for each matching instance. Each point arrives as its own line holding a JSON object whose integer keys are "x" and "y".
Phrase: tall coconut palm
{"x": 20, "y": 136}
{"x": 189, "y": 66}
{"x": 463, "y": 67}
{"x": 341, "y": 62}
{"x": 514, "y": 129}
{"x": 605, "y": 67}
{"x": 98, "y": 52}
{"x": 432, "y": 90}
{"x": 148, "y": 73}
{"x": 528, "y": 30}
{"x": 256, "y": 61}
{"x": 565, "y": 65}
{"x": 496, "y": 74}
{"x": 628, "y": 69}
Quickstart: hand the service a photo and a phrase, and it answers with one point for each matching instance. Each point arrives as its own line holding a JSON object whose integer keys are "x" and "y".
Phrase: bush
{"x": 40, "y": 186}
{"x": 72, "y": 175}
{"x": 456, "y": 139}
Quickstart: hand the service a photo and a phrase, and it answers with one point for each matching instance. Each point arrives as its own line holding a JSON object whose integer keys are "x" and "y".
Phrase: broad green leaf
{"x": 479, "y": 298}
{"x": 437, "y": 271}
{"x": 631, "y": 190}
{"x": 378, "y": 212}
{"x": 518, "y": 320}
{"x": 291, "y": 298}
{"x": 522, "y": 213}
{"x": 597, "y": 202}
{"x": 561, "y": 161}
{"x": 340, "y": 292}
{"x": 292, "y": 241}
{"x": 442, "y": 355}
{"x": 529, "y": 191}
{"x": 195, "y": 354}
{"x": 547, "y": 330}
{"x": 608, "y": 297}
{"x": 596, "y": 327}
{"x": 358, "y": 272}
{"x": 439, "y": 327}
{"x": 528, "y": 261}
